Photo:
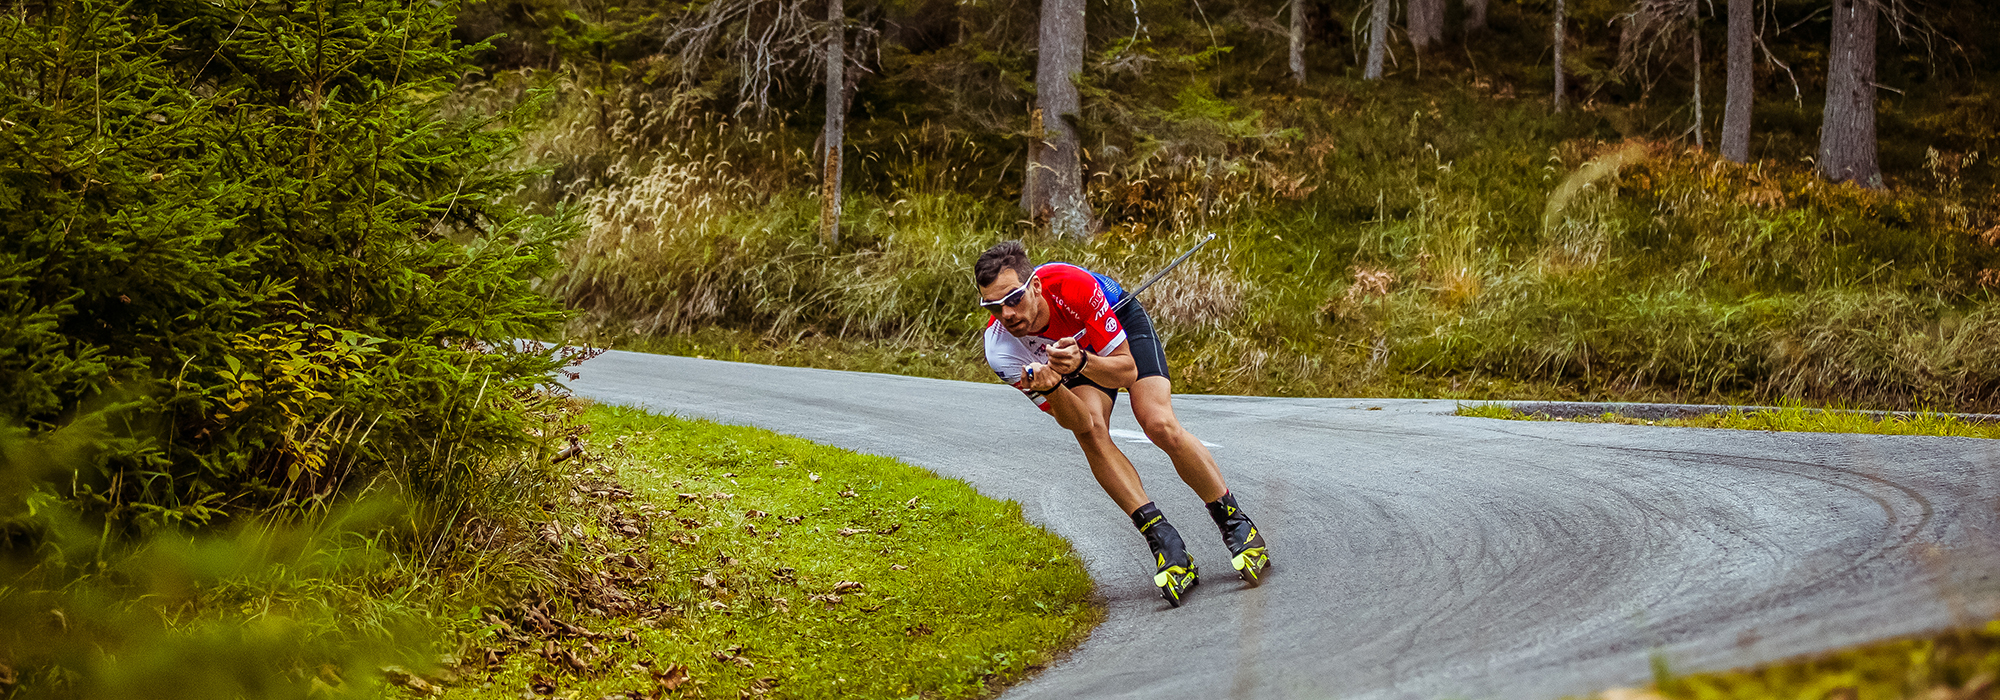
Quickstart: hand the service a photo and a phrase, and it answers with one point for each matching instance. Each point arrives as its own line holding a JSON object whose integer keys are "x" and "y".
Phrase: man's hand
{"x": 1040, "y": 377}
{"x": 1066, "y": 356}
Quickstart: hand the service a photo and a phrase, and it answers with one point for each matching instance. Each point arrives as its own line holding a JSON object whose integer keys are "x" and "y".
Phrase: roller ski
{"x": 1248, "y": 555}
{"x": 1176, "y": 573}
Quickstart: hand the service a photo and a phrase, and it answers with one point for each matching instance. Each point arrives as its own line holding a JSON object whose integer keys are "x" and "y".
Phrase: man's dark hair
{"x": 1005, "y": 255}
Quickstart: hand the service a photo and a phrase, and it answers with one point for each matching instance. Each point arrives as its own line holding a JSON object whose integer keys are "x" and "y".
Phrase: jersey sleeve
{"x": 1008, "y": 357}
{"x": 1083, "y": 298}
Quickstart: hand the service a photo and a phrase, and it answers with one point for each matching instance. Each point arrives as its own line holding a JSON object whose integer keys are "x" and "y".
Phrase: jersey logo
{"x": 1110, "y": 325}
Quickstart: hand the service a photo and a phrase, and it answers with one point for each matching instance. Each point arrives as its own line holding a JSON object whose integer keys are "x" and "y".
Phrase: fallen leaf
{"x": 849, "y": 532}
{"x": 794, "y": 520}
{"x": 829, "y": 599}
{"x": 814, "y": 477}
{"x": 720, "y": 496}
{"x": 893, "y": 527}
{"x": 847, "y": 491}
{"x": 672, "y": 677}
{"x": 753, "y": 513}
{"x": 688, "y": 496}
{"x": 897, "y": 567}
{"x": 784, "y": 573}
{"x": 728, "y": 475}
{"x": 918, "y": 631}
{"x": 781, "y": 463}
{"x": 751, "y": 529}
{"x": 846, "y": 586}
{"x": 744, "y": 662}
{"x": 725, "y": 560}
{"x": 689, "y": 523}
{"x": 912, "y": 503}
{"x": 398, "y": 675}
{"x": 708, "y": 581}
{"x": 541, "y": 685}
{"x": 871, "y": 608}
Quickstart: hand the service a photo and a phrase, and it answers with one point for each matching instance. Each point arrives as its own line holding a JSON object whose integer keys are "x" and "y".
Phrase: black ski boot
{"x": 1177, "y": 572}
{"x": 1246, "y": 547}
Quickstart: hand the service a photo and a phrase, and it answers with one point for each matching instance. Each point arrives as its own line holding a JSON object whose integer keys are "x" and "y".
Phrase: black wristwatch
{"x": 1080, "y": 364}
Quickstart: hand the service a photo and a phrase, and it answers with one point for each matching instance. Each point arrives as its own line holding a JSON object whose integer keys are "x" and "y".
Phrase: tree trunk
{"x": 1736, "y": 111}
{"x": 836, "y": 122}
{"x": 1475, "y": 15}
{"x": 1298, "y": 57}
{"x": 1694, "y": 37}
{"x": 1055, "y": 167}
{"x": 1378, "y": 40}
{"x": 1847, "y": 131}
{"x": 1426, "y": 22}
{"x": 1561, "y": 15}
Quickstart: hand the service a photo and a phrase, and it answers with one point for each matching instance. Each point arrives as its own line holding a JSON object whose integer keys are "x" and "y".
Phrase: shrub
{"x": 246, "y": 231}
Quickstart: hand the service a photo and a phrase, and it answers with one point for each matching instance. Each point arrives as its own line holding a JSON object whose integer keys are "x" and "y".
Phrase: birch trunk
{"x": 1736, "y": 109}
{"x": 836, "y": 122}
{"x": 1847, "y": 131}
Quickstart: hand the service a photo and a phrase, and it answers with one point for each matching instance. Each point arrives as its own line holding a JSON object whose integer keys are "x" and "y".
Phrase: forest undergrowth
{"x": 1445, "y": 239}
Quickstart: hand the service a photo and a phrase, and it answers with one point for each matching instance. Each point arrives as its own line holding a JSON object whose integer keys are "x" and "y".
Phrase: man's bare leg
{"x": 1089, "y": 417}
{"x": 1152, "y": 404}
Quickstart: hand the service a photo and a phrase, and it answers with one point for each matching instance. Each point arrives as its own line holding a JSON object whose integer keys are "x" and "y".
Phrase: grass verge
{"x": 1790, "y": 418}
{"x": 1959, "y": 664}
{"x": 731, "y": 561}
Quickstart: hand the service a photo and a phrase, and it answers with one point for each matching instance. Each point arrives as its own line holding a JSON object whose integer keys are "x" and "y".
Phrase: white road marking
{"x": 1136, "y": 436}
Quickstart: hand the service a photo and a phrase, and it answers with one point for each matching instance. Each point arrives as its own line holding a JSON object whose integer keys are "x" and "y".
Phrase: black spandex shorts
{"x": 1147, "y": 352}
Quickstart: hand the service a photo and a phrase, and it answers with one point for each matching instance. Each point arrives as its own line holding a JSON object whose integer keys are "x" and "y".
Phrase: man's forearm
{"x": 1111, "y": 371}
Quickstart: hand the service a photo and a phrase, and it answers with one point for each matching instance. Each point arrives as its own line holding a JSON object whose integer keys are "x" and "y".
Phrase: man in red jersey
{"x": 1054, "y": 336}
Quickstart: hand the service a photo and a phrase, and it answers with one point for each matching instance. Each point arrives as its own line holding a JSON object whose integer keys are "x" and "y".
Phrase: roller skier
{"x": 1070, "y": 339}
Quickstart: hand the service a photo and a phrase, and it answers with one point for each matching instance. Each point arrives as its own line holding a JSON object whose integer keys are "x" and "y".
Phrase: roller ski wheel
{"x": 1175, "y": 573}
{"x": 1248, "y": 553}
{"x": 1251, "y": 565}
{"x": 1176, "y": 581}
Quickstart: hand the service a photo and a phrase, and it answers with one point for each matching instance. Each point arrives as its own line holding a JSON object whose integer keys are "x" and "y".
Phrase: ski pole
{"x": 1134, "y": 294}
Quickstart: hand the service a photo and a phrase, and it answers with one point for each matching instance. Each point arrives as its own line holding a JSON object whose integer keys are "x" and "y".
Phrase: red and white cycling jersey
{"x": 1078, "y": 301}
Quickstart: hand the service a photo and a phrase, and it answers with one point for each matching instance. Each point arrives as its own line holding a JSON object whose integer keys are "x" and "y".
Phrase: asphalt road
{"x": 1424, "y": 555}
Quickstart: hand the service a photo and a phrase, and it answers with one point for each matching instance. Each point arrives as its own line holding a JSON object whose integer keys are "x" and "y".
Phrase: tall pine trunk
{"x": 1560, "y": 37}
{"x": 1426, "y": 23}
{"x": 1054, "y": 192}
{"x": 1736, "y": 112}
{"x": 1298, "y": 57}
{"x": 836, "y": 122}
{"x": 1694, "y": 37}
{"x": 1475, "y": 15}
{"x": 1847, "y": 131}
{"x": 1378, "y": 40}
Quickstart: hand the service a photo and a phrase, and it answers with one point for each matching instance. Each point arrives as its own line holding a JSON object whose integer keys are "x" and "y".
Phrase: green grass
{"x": 765, "y": 563}
{"x": 1960, "y": 664}
{"x": 1790, "y": 418}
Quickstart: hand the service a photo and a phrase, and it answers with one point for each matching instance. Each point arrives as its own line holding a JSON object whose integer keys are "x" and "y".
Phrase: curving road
{"x": 1424, "y": 555}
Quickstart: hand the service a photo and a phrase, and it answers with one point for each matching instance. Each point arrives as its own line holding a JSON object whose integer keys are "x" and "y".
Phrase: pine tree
{"x": 1054, "y": 189}
{"x": 1847, "y": 133}
{"x": 836, "y": 122}
{"x": 248, "y": 227}
{"x": 1378, "y": 39}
